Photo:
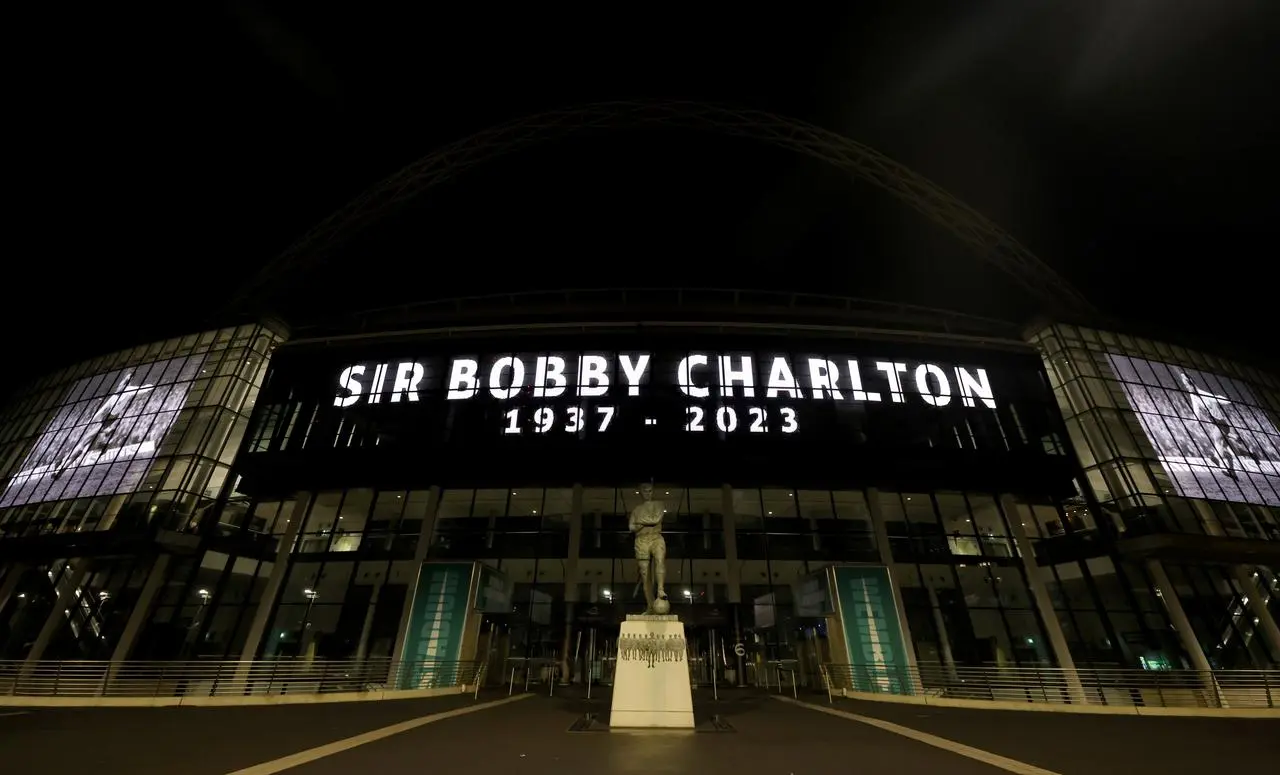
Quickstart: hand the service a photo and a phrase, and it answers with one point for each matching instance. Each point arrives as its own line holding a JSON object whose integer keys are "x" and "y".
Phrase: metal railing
{"x": 1083, "y": 686}
{"x": 229, "y": 678}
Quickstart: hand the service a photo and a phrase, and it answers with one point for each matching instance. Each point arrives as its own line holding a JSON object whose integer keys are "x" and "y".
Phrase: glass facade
{"x": 133, "y": 445}
{"x": 1174, "y": 444}
{"x": 736, "y": 560}
{"x": 300, "y": 529}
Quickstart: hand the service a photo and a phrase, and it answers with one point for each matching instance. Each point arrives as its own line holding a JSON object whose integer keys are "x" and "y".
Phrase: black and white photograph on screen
{"x": 104, "y": 434}
{"x": 1210, "y": 433}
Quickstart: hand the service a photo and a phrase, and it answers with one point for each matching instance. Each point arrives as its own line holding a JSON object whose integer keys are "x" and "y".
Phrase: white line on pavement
{"x": 329, "y": 749}
{"x": 977, "y": 754}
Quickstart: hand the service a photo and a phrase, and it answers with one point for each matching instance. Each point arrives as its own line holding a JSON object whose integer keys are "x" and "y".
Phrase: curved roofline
{"x": 989, "y": 242}
{"x": 714, "y": 305}
{"x": 623, "y": 326}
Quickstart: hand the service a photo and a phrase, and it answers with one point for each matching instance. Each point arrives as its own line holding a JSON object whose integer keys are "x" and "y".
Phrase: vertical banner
{"x": 873, "y": 635}
{"x": 437, "y": 623}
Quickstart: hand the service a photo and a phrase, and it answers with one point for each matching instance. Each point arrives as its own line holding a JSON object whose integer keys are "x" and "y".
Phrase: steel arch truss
{"x": 991, "y": 243}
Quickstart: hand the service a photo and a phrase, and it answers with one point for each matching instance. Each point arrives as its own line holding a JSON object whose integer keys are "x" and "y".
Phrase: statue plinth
{"x": 651, "y": 685}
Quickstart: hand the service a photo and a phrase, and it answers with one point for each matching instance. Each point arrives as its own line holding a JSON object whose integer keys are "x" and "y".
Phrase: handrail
{"x": 102, "y": 678}
{"x": 1122, "y": 687}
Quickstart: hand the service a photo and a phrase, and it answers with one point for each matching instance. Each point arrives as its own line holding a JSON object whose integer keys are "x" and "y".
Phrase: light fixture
{"x": 688, "y": 593}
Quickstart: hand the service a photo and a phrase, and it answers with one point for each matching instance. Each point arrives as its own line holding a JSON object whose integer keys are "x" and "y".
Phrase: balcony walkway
{"x": 531, "y": 736}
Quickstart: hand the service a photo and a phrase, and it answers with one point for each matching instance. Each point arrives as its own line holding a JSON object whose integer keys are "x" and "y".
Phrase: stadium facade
{"x": 844, "y": 482}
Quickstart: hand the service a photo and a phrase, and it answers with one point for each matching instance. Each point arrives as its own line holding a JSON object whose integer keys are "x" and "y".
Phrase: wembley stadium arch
{"x": 989, "y": 242}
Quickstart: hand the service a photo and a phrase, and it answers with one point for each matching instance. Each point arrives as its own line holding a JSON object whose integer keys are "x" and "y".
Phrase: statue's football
{"x": 661, "y": 606}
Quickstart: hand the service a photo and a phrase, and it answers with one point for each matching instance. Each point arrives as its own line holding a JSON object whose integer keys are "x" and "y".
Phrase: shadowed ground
{"x": 531, "y": 736}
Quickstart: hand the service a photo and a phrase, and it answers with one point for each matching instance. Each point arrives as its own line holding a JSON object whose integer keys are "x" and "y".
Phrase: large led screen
{"x": 104, "y": 433}
{"x": 1209, "y": 431}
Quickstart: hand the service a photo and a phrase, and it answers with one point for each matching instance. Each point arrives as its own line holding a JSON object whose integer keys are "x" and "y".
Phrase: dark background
{"x": 160, "y": 156}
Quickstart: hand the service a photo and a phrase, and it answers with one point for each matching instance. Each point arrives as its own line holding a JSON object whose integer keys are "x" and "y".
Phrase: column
{"x": 266, "y": 606}
{"x": 9, "y": 587}
{"x": 71, "y": 581}
{"x": 111, "y": 512}
{"x": 1186, "y": 633}
{"x": 733, "y": 573}
{"x": 366, "y": 628}
{"x": 575, "y": 547}
{"x": 940, "y": 624}
{"x": 886, "y": 559}
{"x": 1257, "y": 603}
{"x": 571, "y": 582}
{"x": 1212, "y": 525}
{"x": 137, "y": 618}
{"x": 419, "y": 557}
{"x": 1173, "y": 606}
{"x": 141, "y": 610}
{"x": 1013, "y": 514}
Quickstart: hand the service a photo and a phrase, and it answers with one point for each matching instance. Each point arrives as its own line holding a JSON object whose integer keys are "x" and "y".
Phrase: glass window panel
{"x": 816, "y": 504}
{"x": 852, "y": 505}
{"x": 456, "y": 503}
{"x": 747, "y": 510}
{"x": 778, "y": 503}
{"x": 525, "y": 501}
{"x": 491, "y": 503}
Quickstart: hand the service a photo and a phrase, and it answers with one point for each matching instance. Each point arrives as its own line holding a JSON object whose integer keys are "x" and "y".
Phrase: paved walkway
{"x": 530, "y": 736}
{"x": 1083, "y": 744}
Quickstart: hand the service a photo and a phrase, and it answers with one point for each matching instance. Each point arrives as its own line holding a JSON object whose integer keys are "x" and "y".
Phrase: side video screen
{"x": 1210, "y": 432}
{"x": 104, "y": 433}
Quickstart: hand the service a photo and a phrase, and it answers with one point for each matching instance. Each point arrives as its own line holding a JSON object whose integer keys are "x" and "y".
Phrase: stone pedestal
{"x": 651, "y": 683}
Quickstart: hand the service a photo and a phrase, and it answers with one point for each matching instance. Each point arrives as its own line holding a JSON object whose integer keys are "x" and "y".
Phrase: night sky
{"x": 162, "y": 160}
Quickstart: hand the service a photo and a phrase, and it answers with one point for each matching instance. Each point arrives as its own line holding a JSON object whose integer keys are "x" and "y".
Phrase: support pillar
{"x": 886, "y": 559}
{"x": 9, "y": 586}
{"x": 141, "y": 610}
{"x": 1014, "y": 514}
{"x": 733, "y": 571}
{"x": 137, "y": 618}
{"x": 1168, "y": 595}
{"x": 419, "y": 557}
{"x": 71, "y": 581}
{"x": 1208, "y": 520}
{"x": 1177, "y": 616}
{"x": 575, "y": 547}
{"x": 366, "y": 628}
{"x": 1255, "y": 594}
{"x": 279, "y": 569}
{"x": 571, "y": 582}
{"x": 944, "y": 637}
{"x": 111, "y": 512}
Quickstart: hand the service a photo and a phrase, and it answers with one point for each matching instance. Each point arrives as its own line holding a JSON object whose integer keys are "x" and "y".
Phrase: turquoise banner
{"x": 871, "y": 630}
{"x": 436, "y": 625}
